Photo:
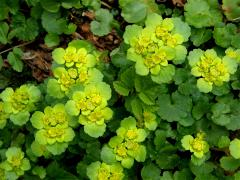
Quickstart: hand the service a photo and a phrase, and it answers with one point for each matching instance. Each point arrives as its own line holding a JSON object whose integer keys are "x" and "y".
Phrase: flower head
{"x": 103, "y": 171}
{"x": 196, "y": 145}
{"x": 15, "y": 164}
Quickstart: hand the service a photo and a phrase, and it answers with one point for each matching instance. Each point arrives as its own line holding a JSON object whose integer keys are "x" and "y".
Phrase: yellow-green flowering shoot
{"x": 103, "y": 171}
{"x": 54, "y": 129}
{"x": 210, "y": 68}
{"x": 15, "y": 164}
{"x": 20, "y": 103}
{"x": 198, "y": 146}
{"x": 156, "y": 45}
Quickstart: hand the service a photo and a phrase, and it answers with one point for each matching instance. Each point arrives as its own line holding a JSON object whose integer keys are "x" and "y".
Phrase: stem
{"x": 105, "y": 4}
{"x": 20, "y": 45}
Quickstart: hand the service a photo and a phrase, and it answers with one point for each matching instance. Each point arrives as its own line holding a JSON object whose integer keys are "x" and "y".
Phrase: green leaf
{"x": 94, "y": 130}
{"x": 200, "y": 108}
{"x": 183, "y": 174}
{"x": 175, "y": 108}
{"x": 52, "y": 23}
{"x": 3, "y": 10}
{"x": 121, "y": 88}
{"x": 136, "y": 108}
{"x": 24, "y": 29}
{"x": 57, "y": 148}
{"x": 71, "y": 28}
{"x": 54, "y": 171}
{"x": 15, "y": 61}
{"x": 203, "y": 169}
{"x": 236, "y": 41}
{"x": 181, "y": 28}
{"x": 229, "y": 163}
{"x": 223, "y": 142}
{"x": 165, "y": 76}
{"x": 51, "y": 40}
{"x": 150, "y": 172}
{"x": 50, "y": 5}
{"x": 231, "y": 9}
{"x": 200, "y": 36}
{"x": 223, "y": 36}
{"x": 102, "y": 25}
{"x": 54, "y": 89}
{"x": 234, "y": 148}
{"x": 3, "y": 32}
{"x": 134, "y": 11}
{"x": 131, "y": 31}
{"x": 92, "y": 4}
{"x": 199, "y": 13}
{"x": 146, "y": 99}
{"x": 204, "y": 86}
{"x": 20, "y": 118}
{"x": 40, "y": 171}
{"x": 107, "y": 155}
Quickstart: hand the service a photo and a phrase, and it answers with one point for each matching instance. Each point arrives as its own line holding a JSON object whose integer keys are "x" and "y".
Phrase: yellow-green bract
{"x": 15, "y": 164}
{"x": 103, "y": 171}
{"x": 196, "y": 145}
{"x": 156, "y": 45}
{"x": 19, "y": 103}
{"x": 54, "y": 128}
{"x": 91, "y": 105}
{"x": 73, "y": 66}
{"x": 212, "y": 69}
{"x": 126, "y": 146}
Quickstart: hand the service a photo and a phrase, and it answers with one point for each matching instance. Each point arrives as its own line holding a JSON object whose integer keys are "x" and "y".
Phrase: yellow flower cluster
{"x": 73, "y": 66}
{"x": 196, "y": 145}
{"x": 212, "y": 69}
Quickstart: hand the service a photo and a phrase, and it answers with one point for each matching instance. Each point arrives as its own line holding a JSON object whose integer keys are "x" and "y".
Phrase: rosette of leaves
{"x": 19, "y": 103}
{"x": 156, "y": 45}
{"x": 74, "y": 57}
{"x": 212, "y": 70}
{"x": 150, "y": 120}
{"x": 98, "y": 170}
{"x": 129, "y": 131}
{"x": 91, "y": 105}
{"x": 3, "y": 116}
{"x": 126, "y": 146}
{"x": 231, "y": 9}
{"x": 226, "y": 112}
{"x": 226, "y": 35}
{"x": 54, "y": 129}
{"x": 202, "y": 13}
{"x": 16, "y": 164}
{"x": 198, "y": 146}
{"x": 233, "y": 53}
{"x": 66, "y": 79}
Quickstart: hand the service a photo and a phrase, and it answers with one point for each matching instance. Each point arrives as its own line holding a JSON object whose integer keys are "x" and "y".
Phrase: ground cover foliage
{"x": 128, "y": 89}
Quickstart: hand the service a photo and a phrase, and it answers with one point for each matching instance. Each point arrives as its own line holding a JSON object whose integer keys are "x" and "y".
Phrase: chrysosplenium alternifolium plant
{"x": 73, "y": 66}
{"x": 54, "y": 128}
{"x": 102, "y": 171}
{"x": 155, "y": 46}
{"x": 212, "y": 69}
{"x": 15, "y": 164}
{"x": 126, "y": 146}
{"x": 91, "y": 104}
{"x": 198, "y": 146}
{"x": 19, "y": 103}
